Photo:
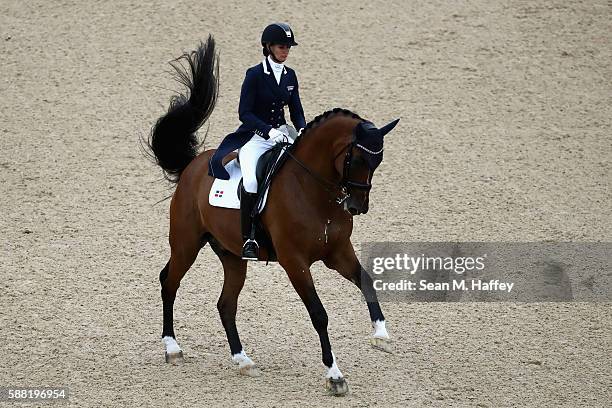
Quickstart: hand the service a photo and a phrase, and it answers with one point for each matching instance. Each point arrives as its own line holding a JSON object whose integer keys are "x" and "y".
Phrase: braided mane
{"x": 327, "y": 115}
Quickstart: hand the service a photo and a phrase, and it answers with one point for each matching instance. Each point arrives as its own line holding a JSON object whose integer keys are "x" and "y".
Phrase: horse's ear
{"x": 388, "y": 127}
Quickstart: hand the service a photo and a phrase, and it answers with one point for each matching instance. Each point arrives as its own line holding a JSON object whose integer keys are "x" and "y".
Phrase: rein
{"x": 327, "y": 185}
{"x": 345, "y": 183}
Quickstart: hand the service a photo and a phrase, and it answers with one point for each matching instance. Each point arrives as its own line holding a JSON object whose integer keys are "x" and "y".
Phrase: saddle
{"x": 226, "y": 193}
{"x": 267, "y": 166}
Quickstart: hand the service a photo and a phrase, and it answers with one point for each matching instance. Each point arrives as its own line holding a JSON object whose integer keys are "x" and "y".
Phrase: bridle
{"x": 341, "y": 188}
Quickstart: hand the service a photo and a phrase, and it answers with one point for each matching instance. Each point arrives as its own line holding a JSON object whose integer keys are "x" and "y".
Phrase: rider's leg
{"x": 249, "y": 154}
{"x": 250, "y": 247}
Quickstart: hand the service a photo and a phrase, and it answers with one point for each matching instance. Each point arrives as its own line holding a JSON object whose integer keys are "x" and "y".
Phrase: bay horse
{"x": 308, "y": 215}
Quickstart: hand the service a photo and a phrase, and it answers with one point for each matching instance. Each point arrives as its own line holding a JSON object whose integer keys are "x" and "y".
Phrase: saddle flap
{"x": 268, "y": 165}
{"x": 225, "y": 193}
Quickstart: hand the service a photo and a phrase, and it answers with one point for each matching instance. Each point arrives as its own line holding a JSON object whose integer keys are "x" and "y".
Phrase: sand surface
{"x": 505, "y": 136}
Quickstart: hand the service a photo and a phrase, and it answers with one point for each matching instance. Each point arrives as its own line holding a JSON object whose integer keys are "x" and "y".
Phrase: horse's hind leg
{"x": 184, "y": 253}
{"x": 234, "y": 271}
{"x": 346, "y": 263}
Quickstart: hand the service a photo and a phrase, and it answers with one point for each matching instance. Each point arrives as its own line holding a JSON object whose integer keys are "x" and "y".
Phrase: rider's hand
{"x": 276, "y": 135}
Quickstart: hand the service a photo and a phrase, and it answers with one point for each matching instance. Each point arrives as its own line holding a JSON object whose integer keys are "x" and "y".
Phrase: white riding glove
{"x": 276, "y": 135}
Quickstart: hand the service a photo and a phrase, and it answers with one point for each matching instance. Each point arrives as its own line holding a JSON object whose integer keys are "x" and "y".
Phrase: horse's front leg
{"x": 301, "y": 279}
{"x": 346, "y": 263}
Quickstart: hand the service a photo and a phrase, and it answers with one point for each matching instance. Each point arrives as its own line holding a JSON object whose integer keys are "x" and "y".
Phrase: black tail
{"x": 173, "y": 139}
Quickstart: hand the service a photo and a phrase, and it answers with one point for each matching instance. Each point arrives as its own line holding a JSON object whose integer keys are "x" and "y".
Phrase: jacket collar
{"x": 268, "y": 69}
{"x": 279, "y": 89}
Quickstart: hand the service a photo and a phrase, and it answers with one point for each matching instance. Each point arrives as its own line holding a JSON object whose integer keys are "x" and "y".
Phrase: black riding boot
{"x": 250, "y": 249}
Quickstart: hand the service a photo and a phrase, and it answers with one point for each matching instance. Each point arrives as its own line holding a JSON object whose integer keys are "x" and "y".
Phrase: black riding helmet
{"x": 278, "y": 33}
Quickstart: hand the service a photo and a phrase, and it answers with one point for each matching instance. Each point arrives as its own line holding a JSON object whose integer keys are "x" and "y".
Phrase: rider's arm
{"x": 247, "y": 104}
{"x": 295, "y": 108}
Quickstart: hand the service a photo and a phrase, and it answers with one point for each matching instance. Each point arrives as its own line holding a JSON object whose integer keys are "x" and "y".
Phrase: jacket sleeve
{"x": 247, "y": 104}
{"x": 295, "y": 108}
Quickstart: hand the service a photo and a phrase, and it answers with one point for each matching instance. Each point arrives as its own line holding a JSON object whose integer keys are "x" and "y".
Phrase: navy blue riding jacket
{"x": 262, "y": 102}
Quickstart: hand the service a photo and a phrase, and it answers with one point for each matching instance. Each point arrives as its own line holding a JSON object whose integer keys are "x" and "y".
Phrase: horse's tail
{"x": 173, "y": 139}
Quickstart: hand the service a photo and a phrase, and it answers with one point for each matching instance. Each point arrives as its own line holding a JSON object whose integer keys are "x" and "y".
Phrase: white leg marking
{"x": 246, "y": 366}
{"x": 380, "y": 331}
{"x": 380, "y": 338}
{"x": 333, "y": 371}
{"x": 174, "y": 354}
{"x": 334, "y": 380}
{"x": 242, "y": 360}
{"x": 172, "y": 346}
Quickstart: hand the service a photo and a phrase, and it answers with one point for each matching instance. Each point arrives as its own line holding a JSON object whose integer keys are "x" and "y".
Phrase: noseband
{"x": 348, "y": 157}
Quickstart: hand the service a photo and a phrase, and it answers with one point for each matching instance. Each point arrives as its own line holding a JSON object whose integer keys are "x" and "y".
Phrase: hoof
{"x": 381, "y": 343}
{"x": 337, "y": 387}
{"x": 175, "y": 358}
{"x": 250, "y": 371}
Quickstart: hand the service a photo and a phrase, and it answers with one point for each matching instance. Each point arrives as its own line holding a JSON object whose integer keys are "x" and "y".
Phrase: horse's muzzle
{"x": 357, "y": 208}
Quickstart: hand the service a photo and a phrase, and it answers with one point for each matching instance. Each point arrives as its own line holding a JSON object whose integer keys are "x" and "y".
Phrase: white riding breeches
{"x": 250, "y": 153}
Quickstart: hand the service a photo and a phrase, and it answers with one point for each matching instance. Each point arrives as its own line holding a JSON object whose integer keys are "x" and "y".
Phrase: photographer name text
{"x": 493, "y": 285}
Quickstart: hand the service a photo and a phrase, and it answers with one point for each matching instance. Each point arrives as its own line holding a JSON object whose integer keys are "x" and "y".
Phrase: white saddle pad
{"x": 224, "y": 193}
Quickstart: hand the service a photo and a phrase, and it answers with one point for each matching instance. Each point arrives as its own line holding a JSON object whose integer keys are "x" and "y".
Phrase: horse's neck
{"x": 317, "y": 154}
{"x": 322, "y": 145}
{"x": 317, "y": 151}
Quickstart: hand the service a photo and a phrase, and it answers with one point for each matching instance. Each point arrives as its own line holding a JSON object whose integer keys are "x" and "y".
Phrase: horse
{"x": 308, "y": 214}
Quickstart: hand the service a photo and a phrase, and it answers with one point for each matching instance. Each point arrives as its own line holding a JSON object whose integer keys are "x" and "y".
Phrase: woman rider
{"x": 267, "y": 88}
